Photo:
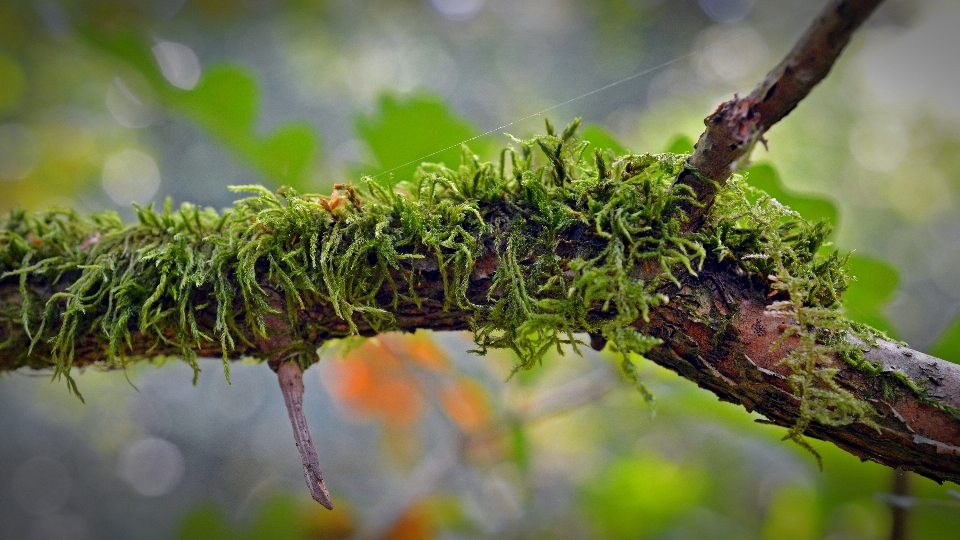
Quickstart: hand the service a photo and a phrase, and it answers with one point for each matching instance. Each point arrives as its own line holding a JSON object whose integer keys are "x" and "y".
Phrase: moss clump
{"x": 583, "y": 243}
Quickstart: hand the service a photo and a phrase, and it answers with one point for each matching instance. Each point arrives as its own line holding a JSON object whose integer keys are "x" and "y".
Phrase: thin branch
{"x": 291, "y": 384}
{"x": 716, "y": 331}
{"x": 736, "y": 126}
{"x": 900, "y": 512}
{"x": 732, "y": 354}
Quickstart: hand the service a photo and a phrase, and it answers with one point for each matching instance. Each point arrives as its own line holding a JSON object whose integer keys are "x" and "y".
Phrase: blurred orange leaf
{"x": 466, "y": 404}
{"x": 420, "y": 349}
{"x": 378, "y": 379}
{"x": 415, "y": 524}
{"x": 371, "y": 382}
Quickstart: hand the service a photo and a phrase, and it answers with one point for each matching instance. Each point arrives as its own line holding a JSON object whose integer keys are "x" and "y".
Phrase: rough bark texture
{"x": 737, "y": 362}
{"x": 735, "y": 127}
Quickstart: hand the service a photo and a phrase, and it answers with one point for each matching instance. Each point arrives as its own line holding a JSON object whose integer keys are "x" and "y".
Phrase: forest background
{"x": 104, "y": 103}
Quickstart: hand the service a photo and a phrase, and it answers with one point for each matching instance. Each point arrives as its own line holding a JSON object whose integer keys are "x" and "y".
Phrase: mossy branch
{"x": 526, "y": 258}
{"x": 703, "y": 275}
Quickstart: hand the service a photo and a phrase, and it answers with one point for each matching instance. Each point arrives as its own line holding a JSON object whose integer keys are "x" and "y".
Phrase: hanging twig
{"x": 900, "y": 512}
{"x": 291, "y": 384}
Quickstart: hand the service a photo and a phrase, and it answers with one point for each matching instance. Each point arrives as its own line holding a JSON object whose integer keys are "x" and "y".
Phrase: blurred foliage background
{"x": 108, "y": 102}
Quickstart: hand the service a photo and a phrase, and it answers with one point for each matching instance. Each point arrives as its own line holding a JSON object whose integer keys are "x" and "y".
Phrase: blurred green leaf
{"x": 638, "y": 496}
{"x": 286, "y": 154}
{"x": 947, "y": 345}
{"x": 519, "y": 446}
{"x": 225, "y": 101}
{"x": 681, "y": 144}
{"x": 206, "y": 522}
{"x": 793, "y": 515}
{"x": 874, "y": 286}
{"x": 599, "y": 137}
{"x": 14, "y": 83}
{"x": 414, "y": 128}
{"x": 279, "y": 518}
{"x": 811, "y": 207}
{"x": 129, "y": 47}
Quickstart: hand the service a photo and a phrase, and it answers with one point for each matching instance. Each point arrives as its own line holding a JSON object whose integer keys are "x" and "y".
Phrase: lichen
{"x": 583, "y": 243}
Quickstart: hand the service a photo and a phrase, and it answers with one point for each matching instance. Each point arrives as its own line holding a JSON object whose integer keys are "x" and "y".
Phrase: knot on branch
{"x": 740, "y": 120}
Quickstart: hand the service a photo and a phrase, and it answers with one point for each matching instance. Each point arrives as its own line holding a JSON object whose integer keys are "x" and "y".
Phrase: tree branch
{"x": 736, "y": 126}
{"x": 717, "y": 332}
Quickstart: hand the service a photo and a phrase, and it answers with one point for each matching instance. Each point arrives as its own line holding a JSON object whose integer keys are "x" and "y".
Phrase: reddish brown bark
{"x": 739, "y": 363}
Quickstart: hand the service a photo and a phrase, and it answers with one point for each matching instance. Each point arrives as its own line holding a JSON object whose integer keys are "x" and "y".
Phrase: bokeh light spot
{"x": 152, "y": 466}
{"x": 126, "y": 105}
{"x": 879, "y": 145}
{"x": 919, "y": 200}
{"x": 130, "y": 176}
{"x": 19, "y": 151}
{"x": 178, "y": 63}
{"x": 727, "y": 11}
{"x": 919, "y": 64}
{"x": 730, "y": 53}
{"x": 458, "y": 10}
{"x": 241, "y": 398}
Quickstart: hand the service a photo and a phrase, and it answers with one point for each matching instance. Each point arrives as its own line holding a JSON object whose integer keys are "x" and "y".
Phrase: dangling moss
{"x": 584, "y": 243}
{"x": 772, "y": 241}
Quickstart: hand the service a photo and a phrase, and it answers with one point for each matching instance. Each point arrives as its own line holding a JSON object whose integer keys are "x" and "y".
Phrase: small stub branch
{"x": 735, "y": 127}
{"x": 291, "y": 384}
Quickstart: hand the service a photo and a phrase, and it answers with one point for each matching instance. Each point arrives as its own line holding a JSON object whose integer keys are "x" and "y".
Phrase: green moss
{"x": 776, "y": 244}
{"x": 584, "y": 243}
